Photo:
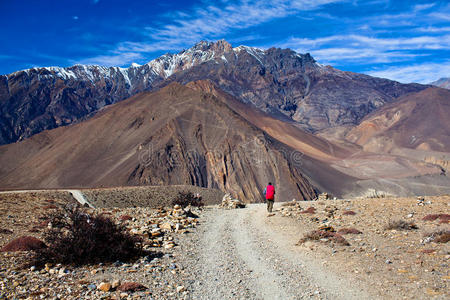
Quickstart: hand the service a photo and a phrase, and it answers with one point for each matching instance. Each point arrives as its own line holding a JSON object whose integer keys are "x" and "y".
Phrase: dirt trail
{"x": 245, "y": 254}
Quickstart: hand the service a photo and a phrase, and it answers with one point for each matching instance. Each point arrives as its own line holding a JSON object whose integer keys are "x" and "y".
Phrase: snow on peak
{"x": 135, "y": 65}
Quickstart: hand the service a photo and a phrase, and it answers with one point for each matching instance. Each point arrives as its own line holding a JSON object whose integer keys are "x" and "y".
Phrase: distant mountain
{"x": 177, "y": 135}
{"x": 416, "y": 121}
{"x": 286, "y": 84}
{"x": 443, "y": 83}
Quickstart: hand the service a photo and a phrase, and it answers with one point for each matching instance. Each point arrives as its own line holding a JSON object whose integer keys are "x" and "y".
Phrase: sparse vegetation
{"x": 79, "y": 238}
{"x": 317, "y": 235}
{"x": 349, "y": 231}
{"x": 444, "y": 218}
{"x": 184, "y": 199}
{"x": 349, "y": 213}
{"x": 401, "y": 225}
{"x": 5, "y": 231}
{"x": 24, "y": 243}
{"x": 439, "y": 236}
{"x": 125, "y": 218}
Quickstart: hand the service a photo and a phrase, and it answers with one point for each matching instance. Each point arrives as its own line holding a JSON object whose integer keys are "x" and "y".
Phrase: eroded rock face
{"x": 279, "y": 81}
{"x": 177, "y": 135}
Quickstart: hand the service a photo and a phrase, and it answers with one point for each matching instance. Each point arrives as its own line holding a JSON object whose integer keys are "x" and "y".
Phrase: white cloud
{"x": 421, "y": 73}
{"x": 366, "y": 49}
{"x": 420, "y": 7}
{"x": 211, "y": 22}
{"x": 112, "y": 59}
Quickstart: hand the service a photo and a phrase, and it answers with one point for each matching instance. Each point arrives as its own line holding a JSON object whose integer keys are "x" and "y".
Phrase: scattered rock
{"x": 104, "y": 286}
{"x": 131, "y": 287}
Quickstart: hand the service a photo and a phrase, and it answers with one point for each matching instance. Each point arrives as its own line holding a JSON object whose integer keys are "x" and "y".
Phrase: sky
{"x": 407, "y": 41}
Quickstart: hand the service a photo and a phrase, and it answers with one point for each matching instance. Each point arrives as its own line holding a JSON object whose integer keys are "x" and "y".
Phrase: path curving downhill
{"x": 243, "y": 254}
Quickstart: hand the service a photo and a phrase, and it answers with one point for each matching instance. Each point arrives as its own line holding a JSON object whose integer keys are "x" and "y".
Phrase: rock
{"x": 131, "y": 287}
{"x": 115, "y": 284}
{"x": 104, "y": 286}
{"x": 166, "y": 226}
{"x": 229, "y": 202}
{"x": 180, "y": 289}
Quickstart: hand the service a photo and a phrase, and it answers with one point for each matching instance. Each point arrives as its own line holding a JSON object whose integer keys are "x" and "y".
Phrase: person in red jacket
{"x": 269, "y": 192}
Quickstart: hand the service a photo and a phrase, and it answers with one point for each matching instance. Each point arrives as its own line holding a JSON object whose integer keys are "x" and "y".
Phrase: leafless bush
{"x": 184, "y": 199}
{"x": 79, "y": 238}
{"x": 401, "y": 225}
{"x": 316, "y": 235}
{"x": 349, "y": 231}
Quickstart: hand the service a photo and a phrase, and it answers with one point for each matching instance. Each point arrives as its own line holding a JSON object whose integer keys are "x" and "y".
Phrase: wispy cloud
{"x": 211, "y": 22}
{"x": 341, "y": 48}
{"x": 119, "y": 59}
{"x": 422, "y": 73}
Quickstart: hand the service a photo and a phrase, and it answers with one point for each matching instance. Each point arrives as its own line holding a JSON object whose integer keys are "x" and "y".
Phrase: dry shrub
{"x": 50, "y": 206}
{"x": 125, "y": 218}
{"x": 5, "y": 231}
{"x": 309, "y": 210}
{"x": 439, "y": 236}
{"x": 428, "y": 251}
{"x": 34, "y": 229}
{"x": 316, "y": 235}
{"x": 349, "y": 231}
{"x": 131, "y": 287}
{"x": 184, "y": 199}
{"x": 441, "y": 217}
{"x": 24, "y": 243}
{"x": 401, "y": 225}
{"x": 79, "y": 238}
{"x": 349, "y": 213}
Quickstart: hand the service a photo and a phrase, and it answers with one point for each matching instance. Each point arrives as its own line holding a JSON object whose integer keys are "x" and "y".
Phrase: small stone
{"x": 33, "y": 268}
{"x": 104, "y": 286}
{"x": 16, "y": 284}
{"x": 92, "y": 286}
{"x": 123, "y": 295}
{"x": 388, "y": 261}
{"x": 180, "y": 289}
{"x": 115, "y": 284}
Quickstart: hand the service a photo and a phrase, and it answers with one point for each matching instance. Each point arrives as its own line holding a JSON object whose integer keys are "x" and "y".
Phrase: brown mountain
{"x": 416, "y": 121}
{"x": 281, "y": 82}
{"x": 443, "y": 83}
{"x": 178, "y": 135}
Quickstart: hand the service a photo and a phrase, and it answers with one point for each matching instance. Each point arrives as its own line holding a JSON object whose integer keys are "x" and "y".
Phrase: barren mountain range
{"x": 278, "y": 81}
{"x": 227, "y": 118}
{"x": 443, "y": 83}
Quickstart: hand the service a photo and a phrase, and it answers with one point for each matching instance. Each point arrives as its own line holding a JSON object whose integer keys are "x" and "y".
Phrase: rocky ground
{"x": 399, "y": 262}
{"x": 245, "y": 253}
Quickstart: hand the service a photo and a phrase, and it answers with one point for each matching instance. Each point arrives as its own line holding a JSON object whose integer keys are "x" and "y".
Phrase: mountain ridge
{"x": 278, "y": 81}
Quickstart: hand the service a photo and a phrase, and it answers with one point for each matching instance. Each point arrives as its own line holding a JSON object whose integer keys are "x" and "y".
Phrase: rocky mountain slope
{"x": 416, "y": 121}
{"x": 177, "y": 135}
{"x": 281, "y": 82}
{"x": 443, "y": 83}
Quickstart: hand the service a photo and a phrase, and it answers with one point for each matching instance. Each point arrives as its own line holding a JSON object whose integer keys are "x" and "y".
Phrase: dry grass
{"x": 24, "y": 243}
{"x": 349, "y": 213}
{"x": 317, "y": 235}
{"x": 444, "y": 218}
{"x": 349, "y": 231}
{"x": 401, "y": 225}
{"x": 439, "y": 236}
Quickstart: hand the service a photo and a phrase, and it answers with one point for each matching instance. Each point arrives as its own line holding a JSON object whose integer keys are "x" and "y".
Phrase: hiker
{"x": 269, "y": 192}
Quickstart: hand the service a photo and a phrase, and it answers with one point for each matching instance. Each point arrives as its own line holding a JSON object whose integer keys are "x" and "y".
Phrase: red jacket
{"x": 270, "y": 192}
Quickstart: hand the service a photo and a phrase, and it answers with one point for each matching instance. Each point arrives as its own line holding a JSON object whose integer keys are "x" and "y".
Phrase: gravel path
{"x": 237, "y": 254}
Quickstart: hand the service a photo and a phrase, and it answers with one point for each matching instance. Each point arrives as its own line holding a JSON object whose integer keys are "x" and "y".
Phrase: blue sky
{"x": 408, "y": 41}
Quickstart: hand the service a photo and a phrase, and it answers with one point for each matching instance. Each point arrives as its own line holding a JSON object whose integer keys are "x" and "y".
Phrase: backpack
{"x": 270, "y": 192}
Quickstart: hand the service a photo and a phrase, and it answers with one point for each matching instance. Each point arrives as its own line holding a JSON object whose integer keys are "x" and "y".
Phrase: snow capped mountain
{"x": 278, "y": 81}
